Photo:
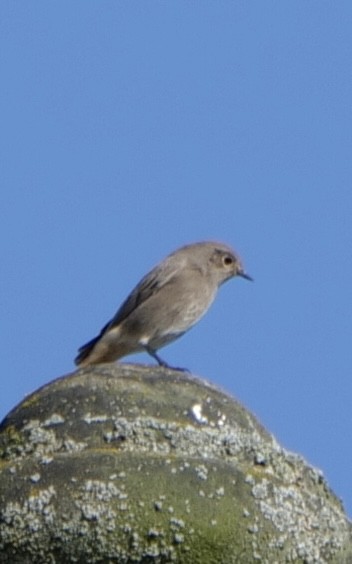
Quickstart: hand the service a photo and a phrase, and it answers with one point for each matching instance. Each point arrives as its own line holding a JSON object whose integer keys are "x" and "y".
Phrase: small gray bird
{"x": 167, "y": 302}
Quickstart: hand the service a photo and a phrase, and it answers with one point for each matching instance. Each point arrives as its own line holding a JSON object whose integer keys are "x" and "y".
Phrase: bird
{"x": 166, "y": 303}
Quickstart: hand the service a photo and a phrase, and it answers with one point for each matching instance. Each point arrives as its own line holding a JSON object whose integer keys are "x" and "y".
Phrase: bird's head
{"x": 225, "y": 264}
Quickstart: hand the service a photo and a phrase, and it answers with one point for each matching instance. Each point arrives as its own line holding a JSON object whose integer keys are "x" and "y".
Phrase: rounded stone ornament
{"x": 135, "y": 464}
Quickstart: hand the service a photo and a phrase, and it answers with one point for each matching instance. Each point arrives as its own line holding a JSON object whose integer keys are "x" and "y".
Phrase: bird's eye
{"x": 228, "y": 260}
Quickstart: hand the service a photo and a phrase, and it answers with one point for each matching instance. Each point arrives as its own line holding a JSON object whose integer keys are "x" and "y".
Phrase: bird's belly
{"x": 179, "y": 322}
{"x": 159, "y": 326}
{"x": 159, "y": 341}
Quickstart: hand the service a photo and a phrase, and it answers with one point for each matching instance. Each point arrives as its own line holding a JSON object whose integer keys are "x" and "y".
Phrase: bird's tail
{"x": 84, "y": 352}
{"x": 106, "y": 347}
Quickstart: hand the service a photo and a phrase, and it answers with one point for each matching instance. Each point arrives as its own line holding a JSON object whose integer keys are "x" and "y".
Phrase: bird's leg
{"x": 162, "y": 362}
{"x": 159, "y": 360}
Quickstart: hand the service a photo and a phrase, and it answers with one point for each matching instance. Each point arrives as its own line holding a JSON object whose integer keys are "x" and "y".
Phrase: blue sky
{"x": 131, "y": 128}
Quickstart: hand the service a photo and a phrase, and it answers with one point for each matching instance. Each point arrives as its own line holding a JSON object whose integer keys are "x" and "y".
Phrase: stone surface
{"x": 128, "y": 464}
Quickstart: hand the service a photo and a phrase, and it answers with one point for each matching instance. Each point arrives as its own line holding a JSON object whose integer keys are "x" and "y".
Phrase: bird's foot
{"x": 162, "y": 362}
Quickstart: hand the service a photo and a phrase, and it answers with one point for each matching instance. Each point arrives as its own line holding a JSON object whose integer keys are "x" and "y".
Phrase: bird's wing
{"x": 147, "y": 287}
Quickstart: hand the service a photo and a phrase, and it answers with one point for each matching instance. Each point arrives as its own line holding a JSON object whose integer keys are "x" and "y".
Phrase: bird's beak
{"x": 244, "y": 274}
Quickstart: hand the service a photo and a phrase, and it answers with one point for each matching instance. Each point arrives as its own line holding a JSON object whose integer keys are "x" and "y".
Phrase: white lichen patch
{"x": 94, "y": 502}
{"x": 155, "y": 533}
{"x": 46, "y": 459}
{"x": 40, "y": 441}
{"x": 300, "y": 519}
{"x": 260, "y": 490}
{"x": 220, "y": 492}
{"x": 196, "y": 411}
{"x": 70, "y": 445}
{"x": 54, "y": 419}
{"x": 202, "y": 472}
{"x": 147, "y": 434}
{"x": 89, "y": 418}
{"x": 177, "y": 523}
{"x": 30, "y": 516}
{"x": 103, "y": 491}
{"x": 221, "y": 419}
{"x": 158, "y": 505}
